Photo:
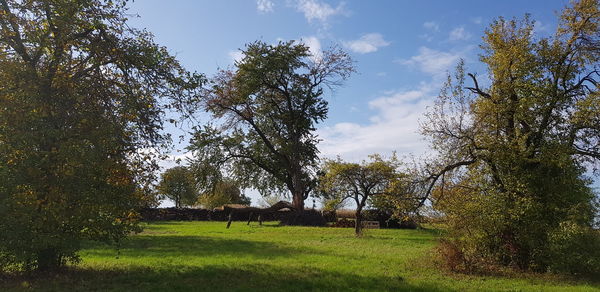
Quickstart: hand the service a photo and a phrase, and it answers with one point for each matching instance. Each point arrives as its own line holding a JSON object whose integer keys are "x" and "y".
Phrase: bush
{"x": 452, "y": 256}
{"x": 329, "y": 216}
{"x": 575, "y": 249}
{"x": 344, "y": 223}
{"x": 304, "y": 218}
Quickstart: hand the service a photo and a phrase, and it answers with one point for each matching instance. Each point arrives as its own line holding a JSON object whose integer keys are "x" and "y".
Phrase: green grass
{"x": 204, "y": 256}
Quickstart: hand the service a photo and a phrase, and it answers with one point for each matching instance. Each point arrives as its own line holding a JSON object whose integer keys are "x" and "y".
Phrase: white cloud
{"x": 316, "y": 10}
{"x": 264, "y": 6}
{"x": 477, "y": 20}
{"x": 367, "y": 43}
{"x": 539, "y": 28}
{"x": 394, "y": 126}
{"x": 459, "y": 34}
{"x": 431, "y": 25}
{"x": 432, "y": 62}
{"x": 314, "y": 46}
{"x": 432, "y": 28}
{"x": 236, "y": 56}
{"x": 426, "y": 37}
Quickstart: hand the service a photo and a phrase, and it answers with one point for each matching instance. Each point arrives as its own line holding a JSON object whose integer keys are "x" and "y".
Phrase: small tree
{"x": 224, "y": 192}
{"x": 178, "y": 185}
{"x": 360, "y": 181}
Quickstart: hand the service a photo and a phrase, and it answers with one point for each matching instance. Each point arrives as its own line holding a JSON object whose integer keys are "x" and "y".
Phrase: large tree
{"x": 269, "y": 105}
{"x": 82, "y": 97}
{"x": 513, "y": 154}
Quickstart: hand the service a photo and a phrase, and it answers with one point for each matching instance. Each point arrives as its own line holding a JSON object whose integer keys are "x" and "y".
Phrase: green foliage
{"x": 333, "y": 204}
{"x": 569, "y": 237}
{"x": 224, "y": 192}
{"x": 81, "y": 104}
{"x": 513, "y": 156}
{"x": 269, "y": 106}
{"x": 179, "y": 186}
{"x": 361, "y": 181}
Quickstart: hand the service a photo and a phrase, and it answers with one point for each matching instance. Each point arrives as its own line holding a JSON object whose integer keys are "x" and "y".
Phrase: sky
{"x": 403, "y": 50}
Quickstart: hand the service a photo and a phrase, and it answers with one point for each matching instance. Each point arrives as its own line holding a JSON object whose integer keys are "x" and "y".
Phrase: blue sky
{"x": 402, "y": 51}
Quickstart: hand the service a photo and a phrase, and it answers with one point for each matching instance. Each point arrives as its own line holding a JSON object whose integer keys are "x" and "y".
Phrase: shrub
{"x": 304, "y": 218}
{"x": 575, "y": 249}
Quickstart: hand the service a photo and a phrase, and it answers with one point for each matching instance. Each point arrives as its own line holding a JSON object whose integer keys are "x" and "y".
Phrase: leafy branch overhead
{"x": 83, "y": 98}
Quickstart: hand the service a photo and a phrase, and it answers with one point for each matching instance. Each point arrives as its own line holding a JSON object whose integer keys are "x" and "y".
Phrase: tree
{"x": 333, "y": 204}
{"x": 512, "y": 156}
{"x": 178, "y": 185}
{"x": 81, "y": 102}
{"x": 225, "y": 192}
{"x": 360, "y": 182}
{"x": 269, "y": 105}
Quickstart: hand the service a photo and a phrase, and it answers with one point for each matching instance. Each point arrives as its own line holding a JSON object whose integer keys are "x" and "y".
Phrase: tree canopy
{"x": 513, "y": 154}
{"x": 82, "y": 97}
{"x": 269, "y": 105}
{"x": 224, "y": 192}
{"x": 361, "y": 181}
{"x": 178, "y": 185}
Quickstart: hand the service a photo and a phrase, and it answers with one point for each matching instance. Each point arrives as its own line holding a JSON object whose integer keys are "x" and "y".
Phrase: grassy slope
{"x": 204, "y": 256}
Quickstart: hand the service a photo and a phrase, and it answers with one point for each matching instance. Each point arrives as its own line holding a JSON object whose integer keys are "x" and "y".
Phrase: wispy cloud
{"x": 540, "y": 28}
{"x": 315, "y": 10}
{"x": 264, "y": 6}
{"x": 459, "y": 34}
{"x": 235, "y": 56}
{"x": 433, "y": 62}
{"x": 314, "y": 46}
{"x": 431, "y": 25}
{"x": 367, "y": 43}
{"x": 394, "y": 126}
{"x": 432, "y": 28}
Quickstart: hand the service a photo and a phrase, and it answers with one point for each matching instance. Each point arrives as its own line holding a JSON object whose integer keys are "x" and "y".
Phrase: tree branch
{"x": 476, "y": 89}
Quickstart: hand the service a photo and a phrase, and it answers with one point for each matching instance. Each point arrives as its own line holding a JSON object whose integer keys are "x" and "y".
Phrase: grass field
{"x": 204, "y": 256}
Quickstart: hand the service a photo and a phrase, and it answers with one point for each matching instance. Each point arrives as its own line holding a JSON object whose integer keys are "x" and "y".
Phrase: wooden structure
{"x": 370, "y": 224}
{"x": 233, "y": 208}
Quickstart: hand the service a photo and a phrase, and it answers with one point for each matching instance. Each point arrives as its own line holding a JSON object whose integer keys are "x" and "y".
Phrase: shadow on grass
{"x": 211, "y": 278}
{"x": 193, "y": 246}
{"x": 212, "y": 275}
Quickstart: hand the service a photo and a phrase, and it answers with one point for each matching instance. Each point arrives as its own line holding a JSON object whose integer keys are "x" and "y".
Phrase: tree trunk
{"x": 249, "y": 218}
{"x": 358, "y": 226}
{"x": 298, "y": 201}
{"x": 230, "y": 219}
